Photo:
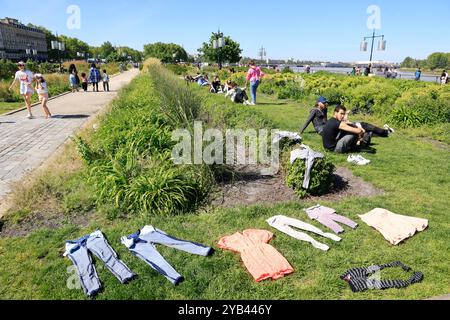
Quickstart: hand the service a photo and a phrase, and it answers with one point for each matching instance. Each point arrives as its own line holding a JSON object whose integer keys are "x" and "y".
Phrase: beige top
{"x": 394, "y": 227}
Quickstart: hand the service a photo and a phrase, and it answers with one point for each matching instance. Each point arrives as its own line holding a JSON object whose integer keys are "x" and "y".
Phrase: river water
{"x": 401, "y": 74}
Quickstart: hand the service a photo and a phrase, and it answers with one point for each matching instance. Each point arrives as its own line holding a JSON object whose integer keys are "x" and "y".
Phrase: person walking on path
{"x": 73, "y": 78}
{"x": 42, "y": 90}
{"x": 105, "y": 78}
{"x": 94, "y": 77}
{"x": 25, "y": 77}
{"x": 254, "y": 75}
{"x": 84, "y": 81}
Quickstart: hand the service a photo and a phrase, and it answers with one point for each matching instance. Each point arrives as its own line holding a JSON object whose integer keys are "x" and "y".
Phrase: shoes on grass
{"x": 358, "y": 160}
{"x": 386, "y": 127}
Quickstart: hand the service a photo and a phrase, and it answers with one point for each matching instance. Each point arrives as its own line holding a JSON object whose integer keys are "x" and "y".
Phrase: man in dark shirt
{"x": 318, "y": 116}
{"x": 338, "y": 136}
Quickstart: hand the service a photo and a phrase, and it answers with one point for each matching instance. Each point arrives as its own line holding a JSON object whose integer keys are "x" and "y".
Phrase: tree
{"x": 106, "y": 49}
{"x": 437, "y": 60}
{"x": 231, "y": 52}
{"x": 166, "y": 52}
{"x": 408, "y": 63}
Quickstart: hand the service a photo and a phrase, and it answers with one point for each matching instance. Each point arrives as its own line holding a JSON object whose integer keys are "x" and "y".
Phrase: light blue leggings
{"x": 142, "y": 245}
{"x": 96, "y": 243}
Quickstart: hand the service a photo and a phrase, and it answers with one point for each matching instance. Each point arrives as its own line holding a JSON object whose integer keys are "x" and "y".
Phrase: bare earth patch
{"x": 37, "y": 221}
{"x": 249, "y": 188}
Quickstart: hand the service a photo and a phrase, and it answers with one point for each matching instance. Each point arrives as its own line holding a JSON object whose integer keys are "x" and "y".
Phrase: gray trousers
{"x": 346, "y": 144}
{"x": 77, "y": 251}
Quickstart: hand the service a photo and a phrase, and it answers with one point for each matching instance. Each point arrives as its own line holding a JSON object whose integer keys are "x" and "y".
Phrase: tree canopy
{"x": 166, "y": 52}
{"x": 437, "y": 60}
{"x": 231, "y": 52}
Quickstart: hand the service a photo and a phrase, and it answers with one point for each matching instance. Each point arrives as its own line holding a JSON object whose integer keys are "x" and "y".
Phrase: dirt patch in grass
{"x": 42, "y": 220}
{"x": 250, "y": 187}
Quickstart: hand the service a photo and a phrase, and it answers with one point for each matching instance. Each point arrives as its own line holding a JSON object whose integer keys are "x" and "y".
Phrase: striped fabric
{"x": 362, "y": 279}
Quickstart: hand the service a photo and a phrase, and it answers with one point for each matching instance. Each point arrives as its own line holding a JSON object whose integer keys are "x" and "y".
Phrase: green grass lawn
{"x": 10, "y": 106}
{"x": 412, "y": 172}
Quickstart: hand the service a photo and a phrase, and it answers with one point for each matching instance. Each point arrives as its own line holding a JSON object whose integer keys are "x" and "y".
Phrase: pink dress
{"x": 261, "y": 259}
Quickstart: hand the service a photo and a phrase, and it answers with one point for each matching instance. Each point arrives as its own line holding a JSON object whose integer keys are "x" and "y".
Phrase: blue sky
{"x": 306, "y": 30}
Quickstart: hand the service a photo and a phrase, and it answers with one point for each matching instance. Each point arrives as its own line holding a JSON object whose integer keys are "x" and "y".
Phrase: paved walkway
{"x": 25, "y": 144}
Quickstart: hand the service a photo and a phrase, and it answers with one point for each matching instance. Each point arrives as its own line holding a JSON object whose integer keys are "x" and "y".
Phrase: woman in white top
{"x": 42, "y": 90}
{"x": 25, "y": 78}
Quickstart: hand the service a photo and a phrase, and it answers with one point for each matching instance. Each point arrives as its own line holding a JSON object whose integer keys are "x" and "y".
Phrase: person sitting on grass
{"x": 227, "y": 86}
{"x": 338, "y": 136}
{"x": 203, "y": 81}
{"x": 318, "y": 116}
{"x": 237, "y": 95}
{"x": 216, "y": 86}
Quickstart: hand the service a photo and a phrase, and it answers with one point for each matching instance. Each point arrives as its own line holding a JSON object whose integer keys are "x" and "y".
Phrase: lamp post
{"x": 262, "y": 53}
{"x": 60, "y": 46}
{"x": 381, "y": 44}
{"x": 218, "y": 44}
{"x": 30, "y": 52}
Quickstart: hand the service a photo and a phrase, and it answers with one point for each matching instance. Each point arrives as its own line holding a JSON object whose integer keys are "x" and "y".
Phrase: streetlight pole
{"x": 56, "y": 45}
{"x": 381, "y": 44}
{"x": 218, "y": 43}
{"x": 262, "y": 53}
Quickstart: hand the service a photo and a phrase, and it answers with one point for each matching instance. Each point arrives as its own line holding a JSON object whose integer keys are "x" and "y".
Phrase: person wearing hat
{"x": 25, "y": 78}
{"x": 42, "y": 90}
{"x": 318, "y": 116}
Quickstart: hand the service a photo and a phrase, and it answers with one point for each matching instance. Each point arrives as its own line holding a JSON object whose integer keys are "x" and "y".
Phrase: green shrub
{"x": 321, "y": 176}
{"x": 177, "y": 69}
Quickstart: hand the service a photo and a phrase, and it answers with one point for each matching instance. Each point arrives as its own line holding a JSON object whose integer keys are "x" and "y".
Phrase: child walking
{"x": 84, "y": 82}
{"x": 42, "y": 90}
{"x": 105, "y": 81}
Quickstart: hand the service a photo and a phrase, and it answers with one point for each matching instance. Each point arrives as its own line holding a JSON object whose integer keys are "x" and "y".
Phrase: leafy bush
{"x": 417, "y": 107}
{"x": 321, "y": 176}
{"x": 177, "y": 69}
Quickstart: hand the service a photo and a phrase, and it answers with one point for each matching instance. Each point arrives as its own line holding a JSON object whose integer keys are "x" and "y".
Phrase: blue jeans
{"x": 253, "y": 88}
{"x": 142, "y": 245}
{"x": 77, "y": 251}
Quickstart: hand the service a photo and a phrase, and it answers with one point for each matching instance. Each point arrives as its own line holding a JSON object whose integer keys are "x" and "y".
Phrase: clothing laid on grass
{"x": 280, "y": 135}
{"x": 142, "y": 244}
{"x": 261, "y": 259}
{"x": 362, "y": 279}
{"x": 309, "y": 155}
{"x": 394, "y": 227}
{"x": 97, "y": 244}
{"x": 329, "y": 218}
{"x": 285, "y": 224}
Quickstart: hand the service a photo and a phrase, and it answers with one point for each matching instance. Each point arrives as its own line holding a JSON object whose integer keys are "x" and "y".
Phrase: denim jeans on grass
{"x": 96, "y": 243}
{"x": 142, "y": 245}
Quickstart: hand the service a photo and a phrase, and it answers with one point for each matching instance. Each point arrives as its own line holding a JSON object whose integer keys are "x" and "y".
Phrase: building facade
{"x": 20, "y": 42}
